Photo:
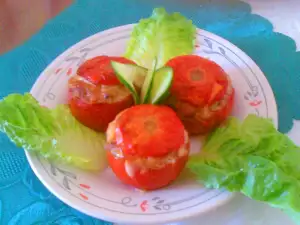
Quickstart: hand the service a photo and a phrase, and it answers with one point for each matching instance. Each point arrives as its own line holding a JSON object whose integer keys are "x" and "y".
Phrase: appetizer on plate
{"x": 201, "y": 93}
{"x": 95, "y": 94}
{"x": 147, "y": 146}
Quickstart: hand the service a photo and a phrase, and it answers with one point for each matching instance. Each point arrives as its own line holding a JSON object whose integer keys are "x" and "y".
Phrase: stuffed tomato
{"x": 95, "y": 94}
{"x": 201, "y": 93}
{"x": 147, "y": 146}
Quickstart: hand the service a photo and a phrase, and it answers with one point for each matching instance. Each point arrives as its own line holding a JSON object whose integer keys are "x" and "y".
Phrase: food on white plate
{"x": 95, "y": 94}
{"x": 147, "y": 146}
{"x": 201, "y": 93}
{"x": 53, "y": 133}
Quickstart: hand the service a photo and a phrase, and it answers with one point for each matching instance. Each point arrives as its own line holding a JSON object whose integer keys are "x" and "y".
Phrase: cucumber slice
{"x": 161, "y": 83}
{"x": 145, "y": 92}
{"x": 131, "y": 76}
{"x": 146, "y": 89}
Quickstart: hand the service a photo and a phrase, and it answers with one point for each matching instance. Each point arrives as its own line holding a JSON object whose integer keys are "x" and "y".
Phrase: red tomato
{"x": 97, "y": 116}
{"x": 99, "y": 71}
{"x": 95, "y": 94}
{"x": 148, "y": 146}
{"x": 201, "y": 94}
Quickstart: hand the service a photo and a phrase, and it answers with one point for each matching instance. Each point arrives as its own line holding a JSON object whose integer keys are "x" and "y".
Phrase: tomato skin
{"x": 201, "y": 94}
{"x": 201, "y": 126}
{"x": 156, "y": 130}
{"x": 97, "y": 115}
{"x": 99, "y": 71}
{"x": 150, "y": 180}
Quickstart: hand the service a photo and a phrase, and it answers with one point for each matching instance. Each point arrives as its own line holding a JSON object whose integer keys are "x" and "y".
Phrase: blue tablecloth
{"x": 23, "y": 199}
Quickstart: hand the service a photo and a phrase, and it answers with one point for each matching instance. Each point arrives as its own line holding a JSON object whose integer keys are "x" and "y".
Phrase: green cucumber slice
{"x": 131, "y": 76}
{"x": 161, "y": 83}
{"x": 145, "y": 92}
{"x": 146, "y": 89}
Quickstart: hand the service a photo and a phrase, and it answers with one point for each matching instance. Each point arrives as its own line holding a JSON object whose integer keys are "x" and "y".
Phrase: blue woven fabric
{"x": 273, "y": 52}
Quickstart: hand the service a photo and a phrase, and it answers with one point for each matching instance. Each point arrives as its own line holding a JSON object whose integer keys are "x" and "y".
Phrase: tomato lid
{"x": 197, "y": 80}
{"x": 98, "y": 70}
{"x": 149, "y": 130}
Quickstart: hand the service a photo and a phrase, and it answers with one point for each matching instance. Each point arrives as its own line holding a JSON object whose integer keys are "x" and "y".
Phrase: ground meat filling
{"x": 188, "y": 111}
{"x": 92, "y": 94}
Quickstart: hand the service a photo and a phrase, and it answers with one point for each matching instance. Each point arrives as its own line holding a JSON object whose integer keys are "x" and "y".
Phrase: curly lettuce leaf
{"x": 53, "y": 133}
{"x": 253, "y": 158}
{"x": 162, "y": 36}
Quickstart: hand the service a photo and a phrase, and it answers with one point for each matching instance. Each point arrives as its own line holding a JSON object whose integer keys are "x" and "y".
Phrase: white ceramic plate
{"x": 101, "y": 194}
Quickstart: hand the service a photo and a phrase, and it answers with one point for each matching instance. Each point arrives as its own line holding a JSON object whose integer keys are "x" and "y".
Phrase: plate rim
{"x": 76, "y": 46}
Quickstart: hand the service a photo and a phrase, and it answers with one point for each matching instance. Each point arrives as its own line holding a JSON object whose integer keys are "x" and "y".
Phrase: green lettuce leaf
{"x": 162, "y": 36}
{"x": 53, "y": 133}
{"x": 253, "y": 158}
